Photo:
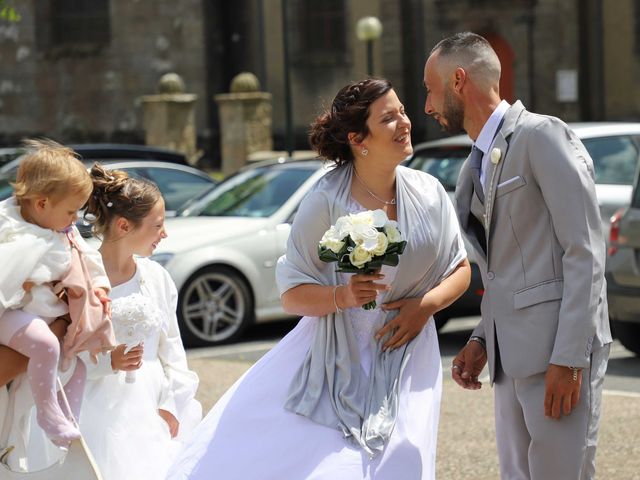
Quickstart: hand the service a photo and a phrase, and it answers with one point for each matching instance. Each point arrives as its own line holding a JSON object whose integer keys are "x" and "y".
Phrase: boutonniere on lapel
{"x": 496, "y": 155}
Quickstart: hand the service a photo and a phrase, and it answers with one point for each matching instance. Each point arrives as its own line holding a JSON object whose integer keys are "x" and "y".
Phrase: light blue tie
{"x": 475, "y": 163}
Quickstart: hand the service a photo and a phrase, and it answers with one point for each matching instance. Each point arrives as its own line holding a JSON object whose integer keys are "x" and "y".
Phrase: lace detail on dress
{"x": 364, "y": 321}
{"x": 135, "y": 318}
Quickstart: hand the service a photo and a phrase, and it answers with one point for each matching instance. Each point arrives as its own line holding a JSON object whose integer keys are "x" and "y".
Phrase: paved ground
{"x": 466, "y": 446}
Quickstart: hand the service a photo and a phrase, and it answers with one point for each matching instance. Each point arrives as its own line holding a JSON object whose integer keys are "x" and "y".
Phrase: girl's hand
{"x": 173, "y": 423}
{"x": 129, "y": 362}
{"x": 407, "y": 325}
{"x": 27, "y": 286}
{"x": 360, "y": 290}
{"x": 101, "y": 293}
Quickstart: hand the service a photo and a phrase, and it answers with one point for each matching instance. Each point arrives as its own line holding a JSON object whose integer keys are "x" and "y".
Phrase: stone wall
{"x": 90, "y": 95}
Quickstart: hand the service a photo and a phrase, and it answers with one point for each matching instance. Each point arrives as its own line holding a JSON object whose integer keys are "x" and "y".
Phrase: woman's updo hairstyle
{"x": 349, "y": 113}
{"x": 115, "y": 194}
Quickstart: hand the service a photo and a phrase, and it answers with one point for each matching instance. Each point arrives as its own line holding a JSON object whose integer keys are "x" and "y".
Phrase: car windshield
{"x": 258, "y": 192}
{"x": 444, "y": 163}
{"x": 614, "y": 159}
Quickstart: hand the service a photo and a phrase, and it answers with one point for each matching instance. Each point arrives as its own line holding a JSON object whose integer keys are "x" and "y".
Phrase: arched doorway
{"x": 506, "y": 56}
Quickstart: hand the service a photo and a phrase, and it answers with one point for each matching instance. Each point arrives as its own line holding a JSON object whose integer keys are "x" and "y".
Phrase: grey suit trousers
{"x": 534, "y": 447}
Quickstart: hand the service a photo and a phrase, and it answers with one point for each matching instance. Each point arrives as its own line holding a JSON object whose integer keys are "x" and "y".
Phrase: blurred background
{"x": 78, "y": 70}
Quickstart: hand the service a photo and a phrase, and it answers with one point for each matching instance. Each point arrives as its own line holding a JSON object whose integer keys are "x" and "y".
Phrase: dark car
{"x": 8, "y": 154}
{"x": 89, "y": 152}
{"x": 623, "y": 273}
{"x": 177, "y": 183}
{"x": 443, "y": 160}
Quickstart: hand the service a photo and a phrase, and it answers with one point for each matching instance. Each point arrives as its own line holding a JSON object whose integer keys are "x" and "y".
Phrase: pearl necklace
{"x": 390, "y": 202}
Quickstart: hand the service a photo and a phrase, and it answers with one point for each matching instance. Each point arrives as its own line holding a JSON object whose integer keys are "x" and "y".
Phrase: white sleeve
{"x": 180, "y": 385}
{"x": 95, "y": 371}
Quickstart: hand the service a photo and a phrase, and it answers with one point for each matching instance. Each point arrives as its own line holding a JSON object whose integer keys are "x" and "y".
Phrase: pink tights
{"x": 38, "y": 342}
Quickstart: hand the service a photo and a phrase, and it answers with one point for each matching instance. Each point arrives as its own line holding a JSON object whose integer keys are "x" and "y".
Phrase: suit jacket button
{"x": 491, "y": 275}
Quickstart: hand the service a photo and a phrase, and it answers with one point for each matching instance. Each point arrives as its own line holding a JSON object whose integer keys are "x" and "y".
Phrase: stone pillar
{"x": 245, "y": 121}
{"x": 168, "y": 118}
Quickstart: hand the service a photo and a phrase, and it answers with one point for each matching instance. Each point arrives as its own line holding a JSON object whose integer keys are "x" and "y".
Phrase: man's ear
{"x": 459, "y": 79}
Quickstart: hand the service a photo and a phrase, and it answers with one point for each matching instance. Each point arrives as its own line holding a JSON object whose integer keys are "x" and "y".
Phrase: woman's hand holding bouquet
{"x": 361, "y": 243}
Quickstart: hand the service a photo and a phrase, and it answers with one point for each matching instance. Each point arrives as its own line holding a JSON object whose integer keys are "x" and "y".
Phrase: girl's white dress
{"x": 120, "y": 420}
{"x": 248, "y": 434}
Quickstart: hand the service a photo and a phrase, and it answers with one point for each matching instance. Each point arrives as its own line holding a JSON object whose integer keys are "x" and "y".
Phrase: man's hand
{"x": 101, "y": 293}
{"x": 406, "y": 325}
{"x": 468, "y": 364}
{"x": 173, "y": 423}
{"x": 562, "y": 393}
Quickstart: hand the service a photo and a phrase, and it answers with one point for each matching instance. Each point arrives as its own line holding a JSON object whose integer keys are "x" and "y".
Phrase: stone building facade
{"x": 73, "y": 70}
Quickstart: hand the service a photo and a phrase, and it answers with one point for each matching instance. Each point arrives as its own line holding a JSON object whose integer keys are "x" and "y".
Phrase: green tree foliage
{"x": 8, "y": 12}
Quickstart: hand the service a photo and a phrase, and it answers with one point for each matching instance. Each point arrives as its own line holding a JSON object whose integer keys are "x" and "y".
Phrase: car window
{"x": 444, "y": 163}
{"x": 176, "y": 186}
{"x": 258, "y": 192}
{"x": 6, "y": 190}
{"x": 614, "y": 159}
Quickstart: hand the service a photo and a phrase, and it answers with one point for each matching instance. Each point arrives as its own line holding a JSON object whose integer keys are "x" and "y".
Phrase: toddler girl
{"x": 49, "y": 271}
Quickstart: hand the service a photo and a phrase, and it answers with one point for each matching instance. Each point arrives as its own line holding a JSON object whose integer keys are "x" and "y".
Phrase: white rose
{"x": 343, "y": 226}
{"x": 364, "y": 235}
{"x": 359, "y": 256}
{"x": 381, "y": 247}
{"x": 332, "y": 240}
{"x": 379, "y": 218}
{"x": 393, "y": 234}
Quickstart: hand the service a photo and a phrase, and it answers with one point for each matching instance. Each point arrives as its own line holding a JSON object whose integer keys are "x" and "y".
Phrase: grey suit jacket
{"x": 545, "y": 292}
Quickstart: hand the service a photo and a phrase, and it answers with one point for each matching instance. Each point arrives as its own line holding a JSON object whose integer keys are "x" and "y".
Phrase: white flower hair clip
{"x": 109, "y": 204}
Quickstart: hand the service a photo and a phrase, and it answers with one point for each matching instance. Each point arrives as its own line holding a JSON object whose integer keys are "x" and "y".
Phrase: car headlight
{"x": 162, "y": 258}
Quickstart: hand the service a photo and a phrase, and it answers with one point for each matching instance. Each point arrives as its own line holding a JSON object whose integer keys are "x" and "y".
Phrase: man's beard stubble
{"x": 453, "y": 112}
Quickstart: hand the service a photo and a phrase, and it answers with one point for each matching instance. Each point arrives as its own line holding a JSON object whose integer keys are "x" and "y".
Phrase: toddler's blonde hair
{"x": 50, "y": 170}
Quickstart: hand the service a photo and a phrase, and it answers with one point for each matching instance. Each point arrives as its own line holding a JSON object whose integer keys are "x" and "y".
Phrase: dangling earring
{"x": 365, "y": 152}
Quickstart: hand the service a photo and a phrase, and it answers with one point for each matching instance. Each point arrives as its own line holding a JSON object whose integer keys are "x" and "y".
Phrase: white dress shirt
{"x": 485, "y": 140}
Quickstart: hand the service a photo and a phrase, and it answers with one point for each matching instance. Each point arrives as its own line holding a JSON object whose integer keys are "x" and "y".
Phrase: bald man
{"x": 526, "y": 202}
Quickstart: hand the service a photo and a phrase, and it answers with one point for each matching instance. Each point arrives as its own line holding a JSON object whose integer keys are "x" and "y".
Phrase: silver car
{"x": 222, "y": 249}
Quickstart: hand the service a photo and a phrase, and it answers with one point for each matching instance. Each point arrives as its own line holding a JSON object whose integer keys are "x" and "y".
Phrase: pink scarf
{"x": 90, "y": 329}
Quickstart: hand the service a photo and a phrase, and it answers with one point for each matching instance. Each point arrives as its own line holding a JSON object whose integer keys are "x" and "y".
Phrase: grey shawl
{"x": 330, "y": 387}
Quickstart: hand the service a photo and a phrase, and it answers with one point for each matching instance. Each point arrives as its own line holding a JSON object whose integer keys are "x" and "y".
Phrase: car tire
{"x": 215, "y": 306}
{"x": 628, "y": 333}
{"x": 441, "y": 318}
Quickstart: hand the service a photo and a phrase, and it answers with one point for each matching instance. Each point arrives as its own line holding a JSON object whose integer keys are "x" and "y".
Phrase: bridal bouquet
{"x": 134, "y": 323}
{"x": 362, "y": 243}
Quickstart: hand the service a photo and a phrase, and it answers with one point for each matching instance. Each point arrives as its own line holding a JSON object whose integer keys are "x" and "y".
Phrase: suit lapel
{"x": 501, "y": 143}
{"x": 464, "y": 197}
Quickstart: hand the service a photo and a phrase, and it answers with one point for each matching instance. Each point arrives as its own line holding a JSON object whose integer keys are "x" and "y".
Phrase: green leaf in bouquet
{"x": 328, "y": 255}
{"x": 391, "y": 259}
{"x": 397, "y": 247}
{"x": 346, "y": 267}
{"x": 374, "y": 264}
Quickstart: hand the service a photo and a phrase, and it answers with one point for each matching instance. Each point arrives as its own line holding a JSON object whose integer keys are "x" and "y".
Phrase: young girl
{"x": 37, "y": 243}
{"x": 133, "y": 425}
